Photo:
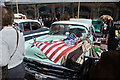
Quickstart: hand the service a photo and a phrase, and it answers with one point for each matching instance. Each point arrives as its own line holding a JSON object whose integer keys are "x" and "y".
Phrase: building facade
{"x": 66, "y": 10}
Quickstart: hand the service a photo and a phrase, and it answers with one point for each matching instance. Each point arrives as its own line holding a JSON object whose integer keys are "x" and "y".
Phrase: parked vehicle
{"x": 89, "y": 26}
{"x": 98, "y": 24}
{"x": 30, "y": 28}
{"x": 20, "y": 16}
{"x": 39, "y": 66}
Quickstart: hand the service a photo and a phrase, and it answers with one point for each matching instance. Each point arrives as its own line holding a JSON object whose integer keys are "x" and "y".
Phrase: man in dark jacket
{"x": 113, "y": 36}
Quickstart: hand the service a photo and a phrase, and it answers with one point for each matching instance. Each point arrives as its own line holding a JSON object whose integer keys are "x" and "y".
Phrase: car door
{"x": 26, "y": 28}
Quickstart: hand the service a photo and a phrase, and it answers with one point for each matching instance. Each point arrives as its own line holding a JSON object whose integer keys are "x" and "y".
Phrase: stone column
{"x": 53, "y": 11}
{"x": 71, "y": 9}
{"x": 118, "y": 11}
{"x": 38, "y": 10}
{"x": 36, "y": 16}
{"x": 94, "y": 11}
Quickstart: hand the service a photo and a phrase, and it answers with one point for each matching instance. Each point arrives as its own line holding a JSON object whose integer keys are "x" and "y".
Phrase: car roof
{"x": 87, "y": 25}
{"x": 96, "y": 20}
{"x": 25, "y": 20}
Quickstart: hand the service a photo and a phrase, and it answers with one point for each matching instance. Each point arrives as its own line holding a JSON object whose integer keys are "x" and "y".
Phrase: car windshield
{"x": 97, "y": 22}
{"x": 66, "y": 29}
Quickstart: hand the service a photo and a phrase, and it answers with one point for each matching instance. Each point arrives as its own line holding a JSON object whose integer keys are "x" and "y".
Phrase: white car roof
{"x": 87, "y": 25}
{"x": 25, "y": 20}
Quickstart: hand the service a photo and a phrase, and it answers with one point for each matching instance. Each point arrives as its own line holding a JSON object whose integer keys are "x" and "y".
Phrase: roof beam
{"x": 58, "y": 1}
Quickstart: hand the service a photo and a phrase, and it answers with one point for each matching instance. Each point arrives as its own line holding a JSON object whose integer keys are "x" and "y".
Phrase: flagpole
{"x": 17, "y": 6}
{"x": 78, "y": 8}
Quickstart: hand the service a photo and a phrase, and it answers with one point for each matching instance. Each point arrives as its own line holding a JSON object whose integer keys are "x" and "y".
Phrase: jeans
{"x": 17, "y": 73}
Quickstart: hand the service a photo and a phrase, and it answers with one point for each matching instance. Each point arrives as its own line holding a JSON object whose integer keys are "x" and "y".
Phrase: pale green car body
{"x": 36, "y": 54}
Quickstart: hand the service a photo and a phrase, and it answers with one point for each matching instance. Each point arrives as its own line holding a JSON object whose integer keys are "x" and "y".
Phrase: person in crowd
{"x": 46, "y": 22}
{"x": 109, "y": 25}
{"x": 12, "y": 48}
{"x": 113, "y": 36}
{"x": 41, "y": 21}
{"x": 49, "y": 22}
{"x": 55, "y": 19}
{"x": 104, "y": 30}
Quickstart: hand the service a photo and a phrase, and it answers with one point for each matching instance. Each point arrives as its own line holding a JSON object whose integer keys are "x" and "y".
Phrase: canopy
{"x": 106, "y": 17}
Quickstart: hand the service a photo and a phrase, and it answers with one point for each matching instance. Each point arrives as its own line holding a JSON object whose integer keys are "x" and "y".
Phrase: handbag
{"x": 5, "y": 68}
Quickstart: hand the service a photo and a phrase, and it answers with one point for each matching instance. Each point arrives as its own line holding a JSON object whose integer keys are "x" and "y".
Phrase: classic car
{"x": 30, "y": 28}
{"x": 40, "y": 66}
{"x": 89, "y": 26}
{"x": 98, "y": 24}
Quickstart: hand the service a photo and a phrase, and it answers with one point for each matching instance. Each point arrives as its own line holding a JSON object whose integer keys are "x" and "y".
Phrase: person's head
{"x": 7, "y": 16}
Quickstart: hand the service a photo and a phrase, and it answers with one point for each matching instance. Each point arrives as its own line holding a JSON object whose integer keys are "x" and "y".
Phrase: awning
{"x": 106, "y": 17}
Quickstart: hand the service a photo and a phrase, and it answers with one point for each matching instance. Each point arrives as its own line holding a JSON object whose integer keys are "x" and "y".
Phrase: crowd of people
{"x": 114, "y": 36}
{"x": 111, "y": 32}
{"x": 47, "y": 21}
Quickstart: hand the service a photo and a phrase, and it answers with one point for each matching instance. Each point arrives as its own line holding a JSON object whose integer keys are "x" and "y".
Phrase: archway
{"x": 84, "y": 11}
{"x": 30, "y": 14}
{"x": 62, "y": 12}
{"x": 45, "y": 11}
{"x": 105, "y": 12}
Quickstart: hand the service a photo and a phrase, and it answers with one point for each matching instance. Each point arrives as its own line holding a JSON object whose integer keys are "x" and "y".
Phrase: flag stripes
{"x": 54, "y": 50}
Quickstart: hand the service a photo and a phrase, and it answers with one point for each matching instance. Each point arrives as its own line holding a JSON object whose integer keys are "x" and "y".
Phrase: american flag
{"x": 54, "y": 50}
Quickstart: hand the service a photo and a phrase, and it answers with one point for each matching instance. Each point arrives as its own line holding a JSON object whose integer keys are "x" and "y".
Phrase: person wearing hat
{"x": 12, "y": 48}
{"x": 114, "y": 36}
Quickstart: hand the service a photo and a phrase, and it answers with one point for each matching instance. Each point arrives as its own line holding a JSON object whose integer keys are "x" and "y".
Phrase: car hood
{"x": 50, "y": 37}
{"x": 32, "y": 51}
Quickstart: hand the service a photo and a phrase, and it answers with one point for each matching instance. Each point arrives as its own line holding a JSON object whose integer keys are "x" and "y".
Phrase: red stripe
{"x": 45, "y": 47}
{"x": 46, "y": 41}
{"x": 56, "y": 51}
{"x": 62, "y": 53}
{"x": 57, "y": 41}
{"x": 46, "y": 44}
{"x": 52, "y": 48}
{"x": 37, "y": 43}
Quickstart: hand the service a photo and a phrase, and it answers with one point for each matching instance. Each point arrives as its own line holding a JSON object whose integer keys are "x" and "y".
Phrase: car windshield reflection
{"x": 66, "y": 29}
